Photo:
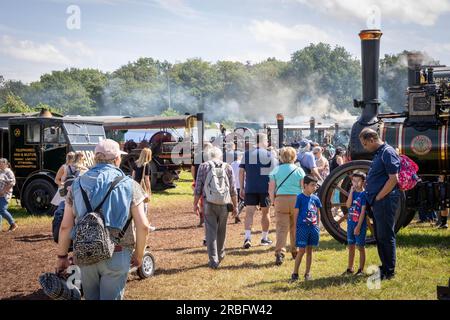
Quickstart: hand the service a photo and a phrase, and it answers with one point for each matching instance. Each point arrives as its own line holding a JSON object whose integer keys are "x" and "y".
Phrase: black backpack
{"x": 70, "y": 178}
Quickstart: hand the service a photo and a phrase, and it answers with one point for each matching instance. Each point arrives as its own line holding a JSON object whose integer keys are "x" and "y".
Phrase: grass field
{"x": 423, "y": 261}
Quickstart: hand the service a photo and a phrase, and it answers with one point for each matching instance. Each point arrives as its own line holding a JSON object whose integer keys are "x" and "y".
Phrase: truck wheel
{"x": 37, "y": 197}
{"x": 147, "y": 269}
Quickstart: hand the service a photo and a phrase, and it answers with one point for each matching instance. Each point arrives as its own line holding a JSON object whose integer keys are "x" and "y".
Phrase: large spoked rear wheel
{"x": 333, "y": 195}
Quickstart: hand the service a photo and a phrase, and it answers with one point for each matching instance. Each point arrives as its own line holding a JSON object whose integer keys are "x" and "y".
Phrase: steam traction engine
{"x": 421, "y": 132}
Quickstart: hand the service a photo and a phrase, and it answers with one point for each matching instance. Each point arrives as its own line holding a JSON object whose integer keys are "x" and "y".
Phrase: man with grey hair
{"x": 215, "y": 184}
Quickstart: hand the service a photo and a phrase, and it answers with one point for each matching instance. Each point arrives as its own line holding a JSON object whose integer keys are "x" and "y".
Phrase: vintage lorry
{"x": 36, "y": 146}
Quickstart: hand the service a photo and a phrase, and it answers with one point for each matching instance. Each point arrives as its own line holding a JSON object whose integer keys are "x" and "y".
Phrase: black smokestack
{"x": 415, "y": 60}
{"x": 312, "y": 128}
{"x": 200, "y": 134}
{"x": 280, "y": 124}
{"x": 370, "y": 56}
{"x": 370, "y": 60}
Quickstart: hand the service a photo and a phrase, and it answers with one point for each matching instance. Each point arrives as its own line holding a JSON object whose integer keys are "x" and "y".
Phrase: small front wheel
{"x": 147, "y": 269}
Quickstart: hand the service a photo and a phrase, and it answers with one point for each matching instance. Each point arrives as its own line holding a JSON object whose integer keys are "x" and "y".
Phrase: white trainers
{"x": 152, "y": 228}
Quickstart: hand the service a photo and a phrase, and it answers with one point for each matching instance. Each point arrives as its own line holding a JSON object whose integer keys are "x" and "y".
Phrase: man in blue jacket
{"x": 383, "y": 196}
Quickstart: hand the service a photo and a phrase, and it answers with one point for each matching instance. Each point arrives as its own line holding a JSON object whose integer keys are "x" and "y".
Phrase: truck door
{"x": 54, "y": 147}
{"x": 25, "y": 153}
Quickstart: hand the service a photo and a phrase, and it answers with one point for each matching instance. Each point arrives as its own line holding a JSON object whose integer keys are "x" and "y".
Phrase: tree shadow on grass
{"x": 178, "y": 270}
{"x": 320, "y": 283}
{"x": 35, "y": 238}
{"x": 172, "y": 249}
{"x": 236, "y": 251}
{"x": 330, "y": 244}
{"x": 243, "y": 252}
{"x": 424, "y": 240}
{"x": 191, "y": 227}
{"x": 248, "y": 265}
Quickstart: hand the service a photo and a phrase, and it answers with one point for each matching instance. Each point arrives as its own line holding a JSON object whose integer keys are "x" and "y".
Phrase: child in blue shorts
{"x": 356, "y": 223}
{"x": 307, "y": 216}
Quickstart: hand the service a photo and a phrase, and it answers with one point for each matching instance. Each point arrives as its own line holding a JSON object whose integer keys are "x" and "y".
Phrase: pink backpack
{"x": 407, "y": 177}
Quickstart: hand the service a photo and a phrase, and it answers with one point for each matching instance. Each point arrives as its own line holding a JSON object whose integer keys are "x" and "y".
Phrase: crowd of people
{"x": 104, "y": 199}
{"x": 258, "y": 179}
{"x": 288, "y": 179}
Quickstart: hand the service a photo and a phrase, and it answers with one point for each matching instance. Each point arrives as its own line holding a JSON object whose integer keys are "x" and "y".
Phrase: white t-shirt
{"x": 235, "y": 167}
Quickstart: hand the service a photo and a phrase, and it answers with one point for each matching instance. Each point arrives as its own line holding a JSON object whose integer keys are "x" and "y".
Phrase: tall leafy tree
{"x": 136, "y": 88}
{"x": 196, "y": 82}
{"x": 330, "y": 71}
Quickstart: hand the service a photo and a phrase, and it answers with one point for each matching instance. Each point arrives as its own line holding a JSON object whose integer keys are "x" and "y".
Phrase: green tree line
{"x": 222, "y": 90}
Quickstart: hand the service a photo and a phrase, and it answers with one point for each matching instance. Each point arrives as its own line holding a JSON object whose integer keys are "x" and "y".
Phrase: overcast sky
{"x": 39, "y": 36}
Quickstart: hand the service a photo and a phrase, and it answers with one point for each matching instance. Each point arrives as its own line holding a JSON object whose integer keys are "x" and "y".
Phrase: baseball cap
{"x": 110, "y": 148}
{"x": 304, "y": 143}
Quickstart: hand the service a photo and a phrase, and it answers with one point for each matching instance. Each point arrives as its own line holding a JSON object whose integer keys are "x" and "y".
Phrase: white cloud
{"x": 60, "y": 53}
{"x": 284, "y": 39}
{"x": 76, "y": 48}
{"x": 29, "y": 51}
{"x": 176, "y": 7}
{"x": 439, "y": 51}
{"x": 422, "y": 12}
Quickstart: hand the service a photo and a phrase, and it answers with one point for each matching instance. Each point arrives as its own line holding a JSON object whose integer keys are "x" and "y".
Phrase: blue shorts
{"x": 360, "y": 240}
{"x": 307, "y": 235}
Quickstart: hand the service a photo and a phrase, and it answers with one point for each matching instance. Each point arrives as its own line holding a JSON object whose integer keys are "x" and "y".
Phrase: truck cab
{"x": 38, "y": 146}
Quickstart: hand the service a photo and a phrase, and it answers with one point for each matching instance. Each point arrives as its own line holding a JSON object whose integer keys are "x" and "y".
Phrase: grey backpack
{"x": 217, "y": 185}
{"x": 92, "y": 242}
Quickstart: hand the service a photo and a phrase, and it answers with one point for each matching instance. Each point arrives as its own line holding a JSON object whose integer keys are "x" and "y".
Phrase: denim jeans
{"x": 4, "y": 212}
{"x": 106, "y": 280}
{"x": 57, "y": 219}
{"x": 384, "y": 223}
